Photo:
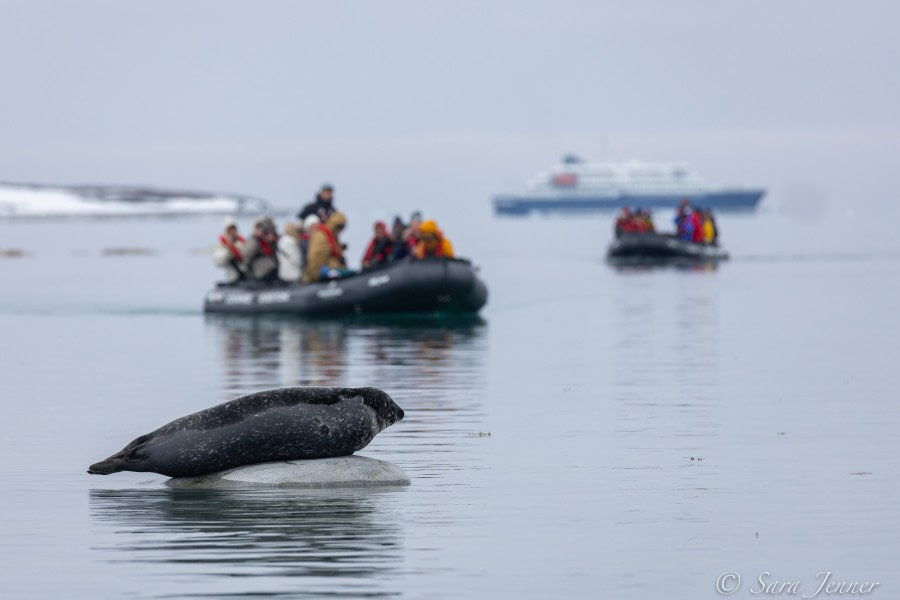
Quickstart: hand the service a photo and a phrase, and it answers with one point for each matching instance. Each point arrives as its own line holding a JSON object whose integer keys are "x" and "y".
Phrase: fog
{"x": 411, "y": 104}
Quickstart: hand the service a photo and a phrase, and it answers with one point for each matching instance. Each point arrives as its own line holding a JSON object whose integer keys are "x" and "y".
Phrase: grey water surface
{"x": 597, "y": 432}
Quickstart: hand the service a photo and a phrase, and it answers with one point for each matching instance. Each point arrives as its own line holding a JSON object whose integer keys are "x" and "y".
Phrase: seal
{"x": 275, "y": 425}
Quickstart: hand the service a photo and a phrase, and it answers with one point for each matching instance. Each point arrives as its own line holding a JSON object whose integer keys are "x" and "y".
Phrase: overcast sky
{"x": 421, "y": 103}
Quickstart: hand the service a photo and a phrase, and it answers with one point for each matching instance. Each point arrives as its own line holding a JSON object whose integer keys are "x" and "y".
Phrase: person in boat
{"x": 322, "y": 206}
{"x": 289, "y": 256}
{"x": 710, "y": 231}
{"x": 697, "y": 218}
{"x": 397, "y": 229}
{"x": 228, "y": 254}
{"x": 410, "y": 237}
{"x": 682, "y": 206}
{"x": 643, "y": 221}
{"x": 325, "y": 257}
{"x": 684, "y": 223}
{"x": 689, "y": 222}
{"x": 432, "y": 243}
{"x": 260, "y": 252}
{"x": 624, "y": 223}
{"x": 309, "y": 225}
{"x": 380, "y": 249}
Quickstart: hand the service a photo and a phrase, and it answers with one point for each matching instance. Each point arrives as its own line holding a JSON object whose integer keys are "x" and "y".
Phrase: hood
{"x": 336, "y": 219}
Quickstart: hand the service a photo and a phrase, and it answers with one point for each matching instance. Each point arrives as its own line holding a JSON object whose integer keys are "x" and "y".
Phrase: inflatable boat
{"x": 408, "y": 286}
{"x": 660, "y": 248}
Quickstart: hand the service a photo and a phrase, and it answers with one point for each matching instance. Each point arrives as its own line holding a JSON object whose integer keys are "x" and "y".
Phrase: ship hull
{"x": 738, "y": 200}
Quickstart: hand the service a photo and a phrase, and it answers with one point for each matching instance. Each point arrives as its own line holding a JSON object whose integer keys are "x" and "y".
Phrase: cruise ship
{"x": 578, "y": 186}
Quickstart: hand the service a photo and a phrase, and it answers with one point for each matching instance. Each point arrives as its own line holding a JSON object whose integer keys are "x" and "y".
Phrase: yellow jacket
{"x": 321, "y": 252}
{"x": 445, "y": 249}
{"x": 709, "y": 231}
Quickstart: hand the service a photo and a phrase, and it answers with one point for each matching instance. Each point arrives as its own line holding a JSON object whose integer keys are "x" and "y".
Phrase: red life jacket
{"x": 387, "y": 249}
{"x": 234, "y": 249}
{"x": 698, "y": 227}
{"x": 267, "y": 248}
{"x": 335, "y": 249}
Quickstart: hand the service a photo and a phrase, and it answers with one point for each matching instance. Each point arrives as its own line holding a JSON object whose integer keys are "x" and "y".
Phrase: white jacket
{"x": 223, "y": 257}
{"x": 288, "y": 259}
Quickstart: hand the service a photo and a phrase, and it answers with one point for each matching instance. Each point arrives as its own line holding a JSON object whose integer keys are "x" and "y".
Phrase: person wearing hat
{"x": 322, "y": 206}
{"x": 410, "y": 237}
{"x": 228, "y": 254}
{"x": 380, "y": 248}
{"x": 310, "y": 224}
{"x": 260, "y": 252}
{"x": 710, "y": 231}
{"x": 684, "y": 220}
{"x": 624, "y": 222}
{"x": 432, "y": 242}
{"x": 325, "y": 258}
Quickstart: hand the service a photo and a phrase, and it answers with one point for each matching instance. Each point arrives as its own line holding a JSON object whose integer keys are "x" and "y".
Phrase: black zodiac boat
{"x": 408, "y": 286}
{"x": 661, "y": 248}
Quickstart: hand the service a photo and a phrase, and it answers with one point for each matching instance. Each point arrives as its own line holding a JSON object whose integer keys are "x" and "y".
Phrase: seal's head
{"x": 130, "y": 458}
{"x": 386, "y": 410}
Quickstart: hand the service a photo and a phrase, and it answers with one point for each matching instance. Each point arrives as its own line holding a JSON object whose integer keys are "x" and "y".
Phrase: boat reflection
{"x": 667, "y": 358}
{"x": 645, "y": 265}
{"x": 257, "y": 542}
{"x": 268, "y": 351}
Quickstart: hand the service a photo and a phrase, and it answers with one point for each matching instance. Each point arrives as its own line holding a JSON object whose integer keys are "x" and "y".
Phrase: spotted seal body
{"x": 275, "y": 425}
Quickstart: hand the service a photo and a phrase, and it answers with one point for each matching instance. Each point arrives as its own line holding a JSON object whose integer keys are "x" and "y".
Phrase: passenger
{"x": 410, "y": 237}
{"x": 228, "y": 254}
{"x": 380, "y": 249}
{"x": 710, "y": 231}
{"x": 624, "y": 222}
{"x": 697, "y": 219}
{"x": 643, "y": 221}
{"x": 684, "y": 221}
{"x": 260, "y": 256}
{"x": 325, "y": 258}
{"x": 289, "y": 256}
{"x": 322, "y": 206}
{"x": 397, "y": 230}
{"x": 685, "y": 204}
{"x": 432, "y": 243}
{"x": 648, "y": 217}
{"x": 309, "y": 225}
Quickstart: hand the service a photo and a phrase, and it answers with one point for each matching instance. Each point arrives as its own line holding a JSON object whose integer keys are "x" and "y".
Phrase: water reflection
{"x": 279, "y": 543}
{"x": 272, "y": 351}
{"x": 690, "y": 266}
{"x": 667, "y": 355}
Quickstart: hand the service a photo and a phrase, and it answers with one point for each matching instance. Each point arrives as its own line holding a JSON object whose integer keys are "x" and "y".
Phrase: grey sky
{"x": 423, "y": 103}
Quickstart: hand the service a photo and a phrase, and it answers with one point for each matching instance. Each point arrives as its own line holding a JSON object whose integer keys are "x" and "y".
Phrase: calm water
{"x": 597, "y": 433}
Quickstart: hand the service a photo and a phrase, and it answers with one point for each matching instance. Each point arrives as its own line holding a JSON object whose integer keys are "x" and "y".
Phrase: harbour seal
{"x": 275, "y": 425}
